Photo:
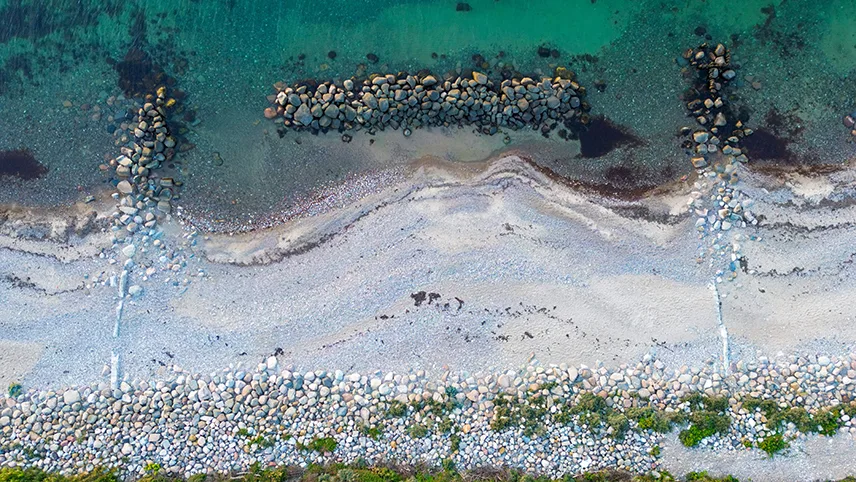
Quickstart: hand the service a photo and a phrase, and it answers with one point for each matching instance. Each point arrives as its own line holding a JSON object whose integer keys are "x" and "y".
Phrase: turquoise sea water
{"x": 58, "y": 59}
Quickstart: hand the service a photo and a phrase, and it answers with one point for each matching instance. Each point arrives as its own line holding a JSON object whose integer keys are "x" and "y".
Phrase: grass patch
{"x": 703, "y": 424}
{"x": 591, "y": 410}
{"x": 260, "y": 442}
{"x": 619, "y": 423}
{"x": 455, "y": 442}
{"x": 707, "y": 417}
{"x": 828, "y": 421}
{"x": 374, "y": 433}
{"x": 445, "y": 425}
{"x": 594, "y": 412}
{"x": 322, "y": 445}
{"x": 435, "y": 408}
{"x": 825, "y": 422}
{"x": 417, "y": 430}
{"x": 705, "y": 477}
{"x": 152, "y": 468}
{"x": 660, "y": 421}
{"x": 396, "y": 409}
{"x": 510, "y": 412}
{"x": 548, "y": 386}
{"x": 773, "y": 444}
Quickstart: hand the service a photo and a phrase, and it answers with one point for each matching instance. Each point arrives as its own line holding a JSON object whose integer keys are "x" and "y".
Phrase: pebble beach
{"x": 473, "y": 254}
{"x": 226, "y": 421}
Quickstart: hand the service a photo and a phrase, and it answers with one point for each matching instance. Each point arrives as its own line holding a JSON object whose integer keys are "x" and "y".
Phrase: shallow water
{"x": 225, "y": 56}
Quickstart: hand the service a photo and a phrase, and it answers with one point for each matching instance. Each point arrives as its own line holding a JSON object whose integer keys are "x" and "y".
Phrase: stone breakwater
{"x": 716, "y": 153}
{"x": 715, "y": 144}
{"x": 138, "y": 163}
{"x": 411, "y": 101}
{"x": 143, "y": 198}
{"x": 228, "y": 420}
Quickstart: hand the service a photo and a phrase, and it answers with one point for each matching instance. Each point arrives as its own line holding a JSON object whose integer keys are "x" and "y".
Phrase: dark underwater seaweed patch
{"x": 602, "y": 136}
{"x": 138, "y": 74}
{"x": 22, "y": 164}
{"x": 765, "y": 145}
{"x": 770, "y": 142}
{"x": 786, "y": 124}
{"x": 786, "y": 42}
{"x": 35, "y": 20}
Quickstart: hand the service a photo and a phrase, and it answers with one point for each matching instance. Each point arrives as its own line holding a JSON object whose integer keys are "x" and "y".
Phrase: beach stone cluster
{"x": 411, "y": 101}
{"x": 139, "y": 161}
{"x": 143, "y": 197}
{"x": 850, "y": 123}
{"x": 716, "y": 153}
{"x": 228, "y": 420}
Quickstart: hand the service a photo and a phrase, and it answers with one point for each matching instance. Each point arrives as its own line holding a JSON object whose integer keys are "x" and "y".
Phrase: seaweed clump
{"x": 602, "y": 136}
{"x": 138, "y": 74}
{"x": 22, "y": 164}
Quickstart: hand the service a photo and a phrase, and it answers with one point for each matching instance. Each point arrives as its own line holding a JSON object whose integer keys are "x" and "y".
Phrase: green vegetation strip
{"x": 706, "y": 416}
{"x": 703, "y": 417}
{"x": 824, "y": 422}
{"x": 358, "y": 472}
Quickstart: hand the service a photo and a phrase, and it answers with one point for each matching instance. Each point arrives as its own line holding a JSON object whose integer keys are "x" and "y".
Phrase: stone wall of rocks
{"x": 230, "y": 419}
{"x": 716, "y": 153}
{"x": 143, "y": 197}
{"x": 719, "y": 133}
{"x": 410, "y": 101}
{"x": 137, "y": 164}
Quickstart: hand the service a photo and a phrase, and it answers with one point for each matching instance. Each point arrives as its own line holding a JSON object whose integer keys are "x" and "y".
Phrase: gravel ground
{"x": 818, "y": 458}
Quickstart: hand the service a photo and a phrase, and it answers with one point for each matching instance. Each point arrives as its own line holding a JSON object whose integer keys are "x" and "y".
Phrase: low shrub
{"x": 322, "y": 445}
{"x": 373, "y": 433}
{"x": 455, "y": 442}
{"x": 705, "y": 477}
{"x": 15, "y": 389}
{"x": 703, "y": 424}
{"x": 396, "y": 409}
{"x": 707, "y": 417}
{"x": 825, "y": 422}
{"x": 773, "y": 444}
{"x": 417, "y": 430}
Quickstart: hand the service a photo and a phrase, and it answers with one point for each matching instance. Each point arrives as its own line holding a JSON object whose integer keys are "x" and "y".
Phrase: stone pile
{"x": 230, "y": 419}
{"x": 137, "y": 164}
{"x": 411, "y": 101}
{"x": 850, "y": 123}
{"x": 144, "y": 196}
{"x": 717, "y": 201}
